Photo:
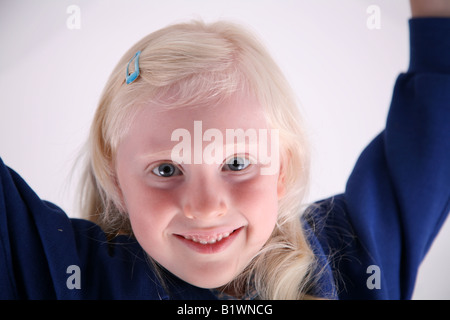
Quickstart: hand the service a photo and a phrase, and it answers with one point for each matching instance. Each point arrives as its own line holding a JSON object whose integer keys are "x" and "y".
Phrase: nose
{"x": 204, "y": 201}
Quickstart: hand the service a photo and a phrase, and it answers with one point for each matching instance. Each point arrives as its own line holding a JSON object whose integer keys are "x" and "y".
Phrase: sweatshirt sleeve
{"x": 397, "y": 196}
{"x": 418, "y": 136}
{"x": 37, "y": 244}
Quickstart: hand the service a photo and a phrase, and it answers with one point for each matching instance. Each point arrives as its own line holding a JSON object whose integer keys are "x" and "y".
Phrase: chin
{"x": 208, "y": 282}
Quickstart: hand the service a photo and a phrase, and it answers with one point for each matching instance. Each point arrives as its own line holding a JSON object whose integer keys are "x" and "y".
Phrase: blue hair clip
{"x": 130, "y": 77}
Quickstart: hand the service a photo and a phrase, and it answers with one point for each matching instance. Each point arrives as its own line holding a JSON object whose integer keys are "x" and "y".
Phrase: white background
{"x": 343, "y": 72}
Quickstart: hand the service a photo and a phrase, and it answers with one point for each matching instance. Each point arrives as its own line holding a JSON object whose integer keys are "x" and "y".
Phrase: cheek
{"x": 258, "y": 202}
{"x": 149, "y": 201}
{"x": 150, "y": 210}
{"x": 150, "y": 213}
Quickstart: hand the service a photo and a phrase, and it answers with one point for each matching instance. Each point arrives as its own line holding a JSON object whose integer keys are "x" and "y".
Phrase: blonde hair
{"x": 191, "y": 64}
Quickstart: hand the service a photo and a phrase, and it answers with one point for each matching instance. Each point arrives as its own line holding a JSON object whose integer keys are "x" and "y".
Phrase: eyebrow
{"x": 158, "y": 154}
{"x": 239, "y": 146}
{"x": 228, "y": 150}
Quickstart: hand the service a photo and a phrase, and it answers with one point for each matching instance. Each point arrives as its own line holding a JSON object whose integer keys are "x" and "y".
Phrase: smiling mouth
{"x": 208, "y": 239}
{"x": 209, "y": 243}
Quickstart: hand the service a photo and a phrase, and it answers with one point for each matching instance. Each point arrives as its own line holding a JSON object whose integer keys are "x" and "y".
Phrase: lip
{"x": 204, "y": 238}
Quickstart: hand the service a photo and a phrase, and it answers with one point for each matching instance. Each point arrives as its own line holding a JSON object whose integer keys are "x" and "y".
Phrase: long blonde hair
{"x": 196, "y": 63}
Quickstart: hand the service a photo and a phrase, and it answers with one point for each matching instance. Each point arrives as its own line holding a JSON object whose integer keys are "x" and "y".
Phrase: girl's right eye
{"x": 166, "y": 170}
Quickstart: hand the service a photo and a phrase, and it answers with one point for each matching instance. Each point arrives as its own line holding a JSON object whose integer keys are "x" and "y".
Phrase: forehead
{"x": 153, "y": 124}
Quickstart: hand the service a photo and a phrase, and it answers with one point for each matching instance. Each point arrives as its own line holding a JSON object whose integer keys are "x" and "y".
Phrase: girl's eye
{"x": 166, "y": 170}
{"x": 236, "y": 164}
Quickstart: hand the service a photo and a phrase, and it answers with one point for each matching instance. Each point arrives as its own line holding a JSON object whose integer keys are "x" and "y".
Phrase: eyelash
{"x": 174, "y": 169}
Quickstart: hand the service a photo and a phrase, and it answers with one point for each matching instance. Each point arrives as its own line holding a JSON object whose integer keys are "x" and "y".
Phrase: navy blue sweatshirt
{"x": 370, "y": 240}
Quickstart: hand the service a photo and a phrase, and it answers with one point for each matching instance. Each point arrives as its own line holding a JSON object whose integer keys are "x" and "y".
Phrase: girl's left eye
{"x": 166, "y": 170}
{"x": 236, "y": 164}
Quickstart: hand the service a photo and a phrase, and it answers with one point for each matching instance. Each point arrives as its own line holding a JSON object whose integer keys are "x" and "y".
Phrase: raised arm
{"x": 430, "y": 8}
{"x": 398, "y": 195}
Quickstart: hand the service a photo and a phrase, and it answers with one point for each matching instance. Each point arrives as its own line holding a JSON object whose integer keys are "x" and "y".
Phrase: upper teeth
{"x": 207, "y": 239}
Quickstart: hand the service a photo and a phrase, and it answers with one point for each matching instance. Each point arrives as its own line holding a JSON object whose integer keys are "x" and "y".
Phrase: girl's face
{"x": 202, "y": 220}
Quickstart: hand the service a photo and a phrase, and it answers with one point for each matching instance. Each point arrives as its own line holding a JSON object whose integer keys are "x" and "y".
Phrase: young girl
{"x": 195, "y": 173}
